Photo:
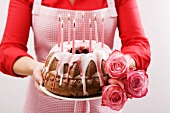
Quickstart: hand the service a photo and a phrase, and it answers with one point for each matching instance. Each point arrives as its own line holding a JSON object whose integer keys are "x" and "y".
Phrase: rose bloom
{"x": 137, "y": 83}
{"x": 114, "y": 96}
{"x": 116, "y": 65}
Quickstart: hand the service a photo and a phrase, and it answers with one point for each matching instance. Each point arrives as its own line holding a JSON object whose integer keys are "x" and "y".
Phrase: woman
{"x": 42, "y": 16}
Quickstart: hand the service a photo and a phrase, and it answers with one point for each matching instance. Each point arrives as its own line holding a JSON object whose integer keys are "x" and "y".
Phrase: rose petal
{"x": 116, "y": 97}
{"x": 116, "y": 82}
{"x": 128, "y": 59}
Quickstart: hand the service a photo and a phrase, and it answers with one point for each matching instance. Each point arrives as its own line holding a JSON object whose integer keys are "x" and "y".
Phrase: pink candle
{"x": 62, "y": 36}
{"x": 74, "y": 34}
{"x": 83, "y": 27}
{"x": 95, "y": 25}
{"x": 59, "y": 19}
{"x": 102, "y": 38}
{"x": 69, "y": 28}
{"x": 90, "y": 37}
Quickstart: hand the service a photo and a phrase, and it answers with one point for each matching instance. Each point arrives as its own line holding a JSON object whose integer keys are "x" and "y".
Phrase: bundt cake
{"x": 76, "y": 75}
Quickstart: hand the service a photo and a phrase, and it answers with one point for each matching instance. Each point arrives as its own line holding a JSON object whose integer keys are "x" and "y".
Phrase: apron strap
{"x": 36, "y": 7}
{"x": 112, "y": 9}
{"x": 82, "y": 107}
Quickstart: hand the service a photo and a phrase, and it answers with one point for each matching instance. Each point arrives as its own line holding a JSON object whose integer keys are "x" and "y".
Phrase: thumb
{"x": 37, "y": 74}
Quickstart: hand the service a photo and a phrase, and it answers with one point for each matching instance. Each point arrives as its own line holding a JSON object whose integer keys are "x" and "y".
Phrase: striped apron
{"x": 45, "y": 28}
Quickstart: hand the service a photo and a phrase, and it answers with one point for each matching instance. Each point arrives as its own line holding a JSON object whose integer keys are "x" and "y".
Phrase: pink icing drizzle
{"x": 100, "y": 71}
{"x": 58, "y": 65}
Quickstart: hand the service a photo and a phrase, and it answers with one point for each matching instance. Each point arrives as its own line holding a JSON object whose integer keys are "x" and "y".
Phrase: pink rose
{"x": 114, "y": 95}
{"x": 116, "y": 65}
{"x": 137, "y": 83}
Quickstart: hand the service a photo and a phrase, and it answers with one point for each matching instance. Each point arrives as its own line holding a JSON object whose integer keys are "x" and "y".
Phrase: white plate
{"x": 69, "y": 98}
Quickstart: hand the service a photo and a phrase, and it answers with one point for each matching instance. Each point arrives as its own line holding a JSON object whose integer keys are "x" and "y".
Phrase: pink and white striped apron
{"x": 45, "y": 20}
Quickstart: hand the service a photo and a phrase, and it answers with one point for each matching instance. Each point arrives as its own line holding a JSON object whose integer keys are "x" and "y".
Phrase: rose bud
{"x": 114, "y": 96}
{"x": 137, "y": 83}
{"x": 117, "y": 64}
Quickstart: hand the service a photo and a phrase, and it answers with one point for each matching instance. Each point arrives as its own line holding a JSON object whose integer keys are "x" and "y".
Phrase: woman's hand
{"x": 29, "y": 67}
{"x": 133, "y": 63}
{"x": 37, "y": 75}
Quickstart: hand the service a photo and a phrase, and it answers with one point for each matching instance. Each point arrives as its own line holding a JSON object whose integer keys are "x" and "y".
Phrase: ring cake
{"x": 76, "y": 75}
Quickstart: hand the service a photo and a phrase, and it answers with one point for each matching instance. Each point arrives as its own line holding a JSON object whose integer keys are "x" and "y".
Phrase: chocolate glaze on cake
{"x": 76, "y": 75}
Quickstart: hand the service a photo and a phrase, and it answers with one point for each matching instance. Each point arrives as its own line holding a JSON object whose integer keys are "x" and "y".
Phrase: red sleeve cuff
{"x": 8, "y": 56}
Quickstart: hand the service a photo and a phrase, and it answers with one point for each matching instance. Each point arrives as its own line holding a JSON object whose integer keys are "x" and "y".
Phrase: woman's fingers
{"x": 37, "y": 75}
{"x": 38, "y": 87}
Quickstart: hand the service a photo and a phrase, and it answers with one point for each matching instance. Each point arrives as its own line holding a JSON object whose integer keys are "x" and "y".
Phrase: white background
{"x": 156, "y": 22}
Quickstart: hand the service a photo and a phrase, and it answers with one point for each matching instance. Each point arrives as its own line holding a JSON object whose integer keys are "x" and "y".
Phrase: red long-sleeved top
{"x": 19, "y": 20}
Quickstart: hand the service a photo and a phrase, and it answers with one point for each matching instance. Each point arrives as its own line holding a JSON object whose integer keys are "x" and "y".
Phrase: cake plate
{"x": 98, "y": 96}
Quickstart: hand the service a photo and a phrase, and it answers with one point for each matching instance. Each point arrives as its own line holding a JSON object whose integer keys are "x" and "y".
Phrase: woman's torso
{"x": 44, "y": 23}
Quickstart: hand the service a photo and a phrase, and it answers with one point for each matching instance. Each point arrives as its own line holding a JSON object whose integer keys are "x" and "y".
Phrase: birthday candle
{"x": 62, "y": 36}
{"x": 68, "y": 28}
{"x": 90, "y": 37}
{"x": 83, "y": 27}
{"x": 74, "y": 34}
{"x": 59, "y": 19}
{"x": 95, "y": 25}
{"x": 102, "y": 39}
